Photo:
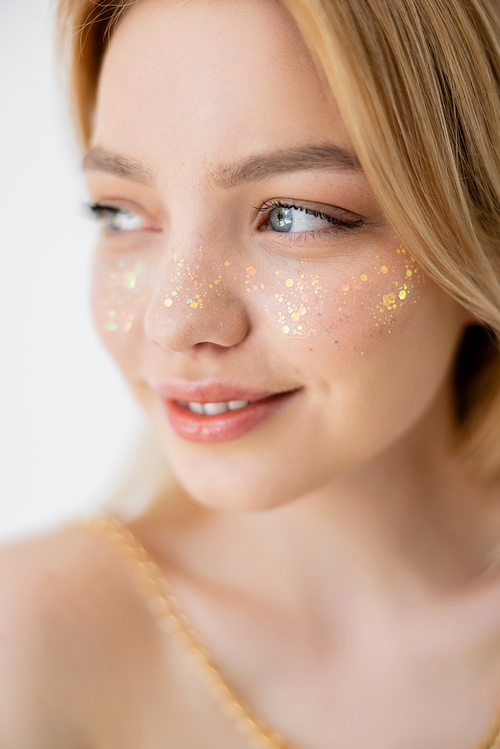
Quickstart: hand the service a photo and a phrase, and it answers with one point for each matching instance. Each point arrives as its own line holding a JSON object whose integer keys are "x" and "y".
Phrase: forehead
{"x": 210, "y": 79}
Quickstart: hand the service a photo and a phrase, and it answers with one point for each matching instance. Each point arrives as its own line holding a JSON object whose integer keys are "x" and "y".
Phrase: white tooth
{"x": 234, "y": 405}
{"x": 211, "y": 409}
{"x": 198, "y": 408}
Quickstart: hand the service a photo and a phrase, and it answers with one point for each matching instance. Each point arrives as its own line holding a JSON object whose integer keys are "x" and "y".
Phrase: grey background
{"x": 66, "y": 417}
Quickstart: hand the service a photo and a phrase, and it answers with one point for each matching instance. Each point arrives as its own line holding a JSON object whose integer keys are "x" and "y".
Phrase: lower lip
{"x": 228, "y": 426}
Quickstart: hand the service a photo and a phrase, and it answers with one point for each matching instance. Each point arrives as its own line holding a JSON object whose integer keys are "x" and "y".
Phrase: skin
{"x": 338, "y": 560}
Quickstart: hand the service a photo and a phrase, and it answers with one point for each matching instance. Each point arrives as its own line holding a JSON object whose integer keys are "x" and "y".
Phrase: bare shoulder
{"x": 61, "y": 598}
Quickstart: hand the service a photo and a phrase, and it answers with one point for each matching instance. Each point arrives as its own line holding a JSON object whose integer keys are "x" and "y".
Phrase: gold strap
{"x": 167, "y": 611}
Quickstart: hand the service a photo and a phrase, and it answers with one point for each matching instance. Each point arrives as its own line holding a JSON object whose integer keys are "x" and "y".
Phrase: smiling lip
{"x": 222, "y": 427}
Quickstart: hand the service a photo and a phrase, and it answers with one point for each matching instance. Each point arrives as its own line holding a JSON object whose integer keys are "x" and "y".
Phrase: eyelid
{"x": 337, "y": 213}
{"x": 109, "y": 206}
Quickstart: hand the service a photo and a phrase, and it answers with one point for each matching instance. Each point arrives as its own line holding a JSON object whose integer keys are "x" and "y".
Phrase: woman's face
{"x": 244, "y": 258}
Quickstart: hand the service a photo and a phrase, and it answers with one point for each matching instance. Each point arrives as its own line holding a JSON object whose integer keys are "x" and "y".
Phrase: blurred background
{"x": 66, "y": 418}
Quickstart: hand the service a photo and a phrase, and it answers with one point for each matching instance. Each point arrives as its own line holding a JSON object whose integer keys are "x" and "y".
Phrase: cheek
{"x": 120, "y": 295}
{"x": 347, "y": 309}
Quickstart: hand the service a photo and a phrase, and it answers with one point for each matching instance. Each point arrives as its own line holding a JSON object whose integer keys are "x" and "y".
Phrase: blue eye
{"x": 117, "y": 219}
{"x": 281, "y": 219}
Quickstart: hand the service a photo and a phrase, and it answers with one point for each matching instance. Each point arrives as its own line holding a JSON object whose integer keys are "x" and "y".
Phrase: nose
{"x": 198, "y": 301}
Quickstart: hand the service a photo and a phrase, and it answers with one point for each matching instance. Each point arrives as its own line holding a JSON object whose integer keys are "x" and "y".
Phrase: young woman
{"x": 299, "y": 274}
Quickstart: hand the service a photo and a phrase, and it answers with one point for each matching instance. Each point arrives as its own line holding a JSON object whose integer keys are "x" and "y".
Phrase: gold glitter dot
{"x": 345, "y": 287}
{"x": 402, "y": 294}
{"x": 364, "y": 277}
{"x": 251, "y": 270}
{"x": 226, "y": 263}
{"x": 408, "y": 272}
{"x": 302, "y": 310}
{"x": 280, "y": 299}
{"x": 285, "y": 329}
{"x": 384, "y": 269}
{"x": 289, "y": 282}
{"x": 127, "y": 326}
{"x": 295, "y": 316}
{"x": 168, "y": 302}
{"x": 194, "y": 305}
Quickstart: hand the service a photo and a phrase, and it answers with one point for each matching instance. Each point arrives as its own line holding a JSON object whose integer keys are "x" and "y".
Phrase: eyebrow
{"x": 324, "y": 157}
{"x": 115, "y": 163}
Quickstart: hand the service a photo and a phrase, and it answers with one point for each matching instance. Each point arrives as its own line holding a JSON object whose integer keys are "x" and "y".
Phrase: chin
{"x": 230, "y": 488}
{"x": 244, "y": 482}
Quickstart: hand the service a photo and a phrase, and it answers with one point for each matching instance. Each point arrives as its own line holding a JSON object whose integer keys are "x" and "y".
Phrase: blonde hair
{"x": 417, "y": 83}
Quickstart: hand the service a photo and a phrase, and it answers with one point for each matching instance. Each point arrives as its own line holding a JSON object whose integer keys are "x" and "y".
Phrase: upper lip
{"x": 212, "y": 391}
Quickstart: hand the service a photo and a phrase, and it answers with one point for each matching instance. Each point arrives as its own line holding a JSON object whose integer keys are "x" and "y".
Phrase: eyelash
{"x": 100, "y": 212}
{"x": 311, "y": 235}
